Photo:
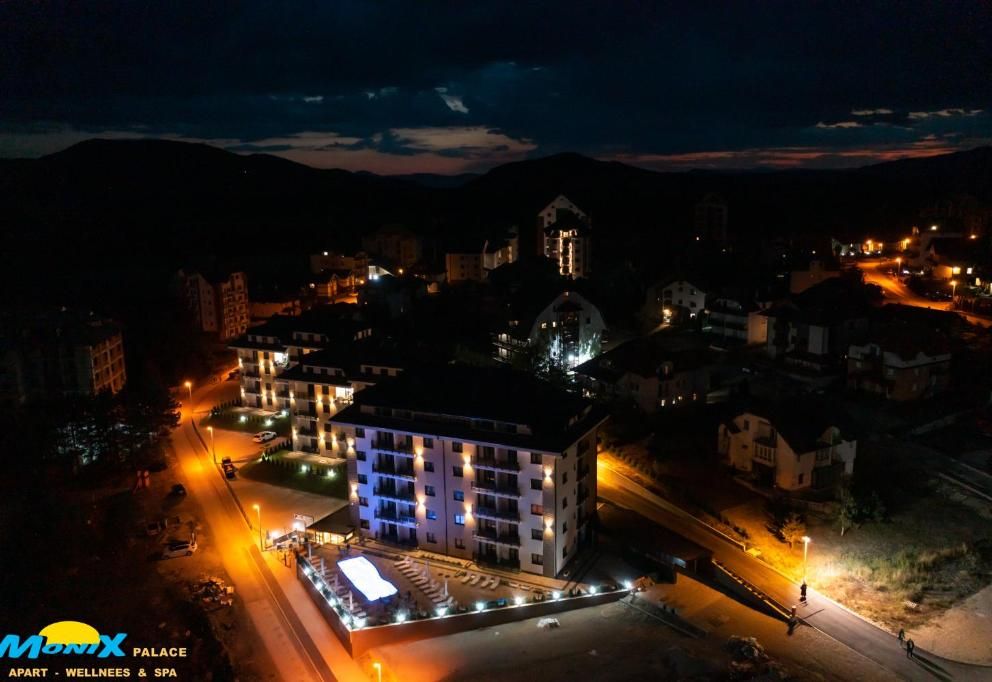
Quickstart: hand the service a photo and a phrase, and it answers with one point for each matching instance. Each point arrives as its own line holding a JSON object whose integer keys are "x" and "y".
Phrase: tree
{"x": 793, "y": 529}
{"x": 847, "y": 512}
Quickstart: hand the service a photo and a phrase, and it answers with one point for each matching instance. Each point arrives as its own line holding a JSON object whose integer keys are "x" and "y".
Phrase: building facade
{"x": 900, "y": 368}
{"x": 219, "y": 304}
{"x": 565, "y": 332}
{"x": 788, "y": 452}
{"x": 487, "y": 465}
{"x": 565, "y": 237}
{"x": 397, "y": 244}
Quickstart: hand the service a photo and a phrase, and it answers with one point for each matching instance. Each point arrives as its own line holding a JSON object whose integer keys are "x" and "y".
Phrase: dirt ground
{"x": 638, "y": 647}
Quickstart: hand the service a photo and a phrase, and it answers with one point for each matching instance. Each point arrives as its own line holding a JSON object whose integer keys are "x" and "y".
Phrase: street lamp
{"x": 806, "y": 541}
{"x": 954, "y": 286}
{"x": 213, "y": 450}
{"x": 378, "y": 669}
{"x": 189, "y": 387}
{"x": 258, "y": 512}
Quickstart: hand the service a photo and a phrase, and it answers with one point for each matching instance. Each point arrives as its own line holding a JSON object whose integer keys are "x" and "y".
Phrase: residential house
{"x": 792, "y": 446}
{"x": 565, "y": 236}
{"x": 736, "y": 318}
{"x": 661, "y": 371}
{"x": 399, "y": 245}
{"x": 901, "y": 361}
{"x": 480, "y": 464}
{"x": 474, "y": 263}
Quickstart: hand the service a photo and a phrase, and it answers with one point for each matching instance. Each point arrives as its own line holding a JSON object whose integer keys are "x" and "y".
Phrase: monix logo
{"x": 64, "y": 637}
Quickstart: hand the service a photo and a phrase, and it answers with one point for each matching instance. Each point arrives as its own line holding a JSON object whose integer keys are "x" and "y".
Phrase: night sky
{"x": 400, "y": 87}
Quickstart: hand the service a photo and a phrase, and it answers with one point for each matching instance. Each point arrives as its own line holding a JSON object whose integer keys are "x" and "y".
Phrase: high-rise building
{"x": 486, "y": 464}
{"x": 564, "y": 235}
{"x": 219, "y": 303}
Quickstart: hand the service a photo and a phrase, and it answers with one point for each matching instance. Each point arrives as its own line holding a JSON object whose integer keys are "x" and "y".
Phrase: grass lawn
{"x": 231, "y": 421}
{"x": 274, "y": 471}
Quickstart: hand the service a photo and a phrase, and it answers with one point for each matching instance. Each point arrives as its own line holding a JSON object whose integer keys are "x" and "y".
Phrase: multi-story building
{"x": 790, "y": 446}
{"x": 683, "y": 296}
{"x": 59, "y": 354}
{"x": 565, "y": 236}
{"x": 660, "y": 371}
{"x": 564, "y": 332}
{"x": 470, "y": 264}
{"x": 901, "y": 362}
{"x": 737, "y": 318}
{"x": 490, "y": 465}
{"x": 397, "y": 244}
{"x": 268, "y": 350}
{"x": 219, "y": 303}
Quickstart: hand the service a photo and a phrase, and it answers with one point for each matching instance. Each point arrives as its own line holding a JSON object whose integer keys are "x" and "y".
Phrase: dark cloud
{"x": 349, "y": 83}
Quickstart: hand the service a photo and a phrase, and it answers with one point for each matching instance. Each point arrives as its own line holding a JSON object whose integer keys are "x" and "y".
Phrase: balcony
{"x": 388, "y": 493}
{"x": 406, "y": 473}
{"x": 494, "y": 488}
{"x": 496, "y": 561}
{"x": 305, "y": 411}
{"x": 252, "y": 373}
{"x": 405, "y": 449}
{"x": 395, "y": 517}
{"x": 583, "y": 472}
{"x": 508, "y": 539}
{"x": 283, "y": 394}
{"x": 495, "y": 464}
{"x": 497, "y": 514}
{"x": 304, "y": 431}
{"x": 582, "y": 496}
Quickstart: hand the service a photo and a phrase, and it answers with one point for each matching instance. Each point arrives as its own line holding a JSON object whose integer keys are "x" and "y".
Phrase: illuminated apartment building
{"x": 565, "y": 236}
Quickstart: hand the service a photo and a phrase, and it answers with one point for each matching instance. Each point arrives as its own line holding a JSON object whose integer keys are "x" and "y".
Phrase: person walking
{"x": 802, "y": 592}
{"x": 910, "y": 645}
{"x": 902, "y": 636}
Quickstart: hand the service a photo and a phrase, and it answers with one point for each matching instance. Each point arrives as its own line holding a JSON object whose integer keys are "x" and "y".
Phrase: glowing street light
{"x": 378, "y": 669}
{"x": 189, "y": 387}
{"x": 806, "y": 541}
{"x": 954, "y": 286}
{"x": 258, "y": 512}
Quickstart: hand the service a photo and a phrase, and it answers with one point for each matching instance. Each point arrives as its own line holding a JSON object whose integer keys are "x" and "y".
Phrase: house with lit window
{"x": 792, "y": 445}
{"x": 564, "y": 235}
{"x": 489, "y": 465}
{"x": 664, "y": 370}
{"x": 563, "y": 329}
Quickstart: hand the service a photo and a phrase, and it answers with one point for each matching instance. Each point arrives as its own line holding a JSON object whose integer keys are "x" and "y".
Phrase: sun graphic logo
{"x": 64, "y": 637}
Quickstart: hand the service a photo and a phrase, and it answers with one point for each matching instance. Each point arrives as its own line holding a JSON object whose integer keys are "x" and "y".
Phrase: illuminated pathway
{"x": 297, "y": 638}
{"x": 825, "y": 615}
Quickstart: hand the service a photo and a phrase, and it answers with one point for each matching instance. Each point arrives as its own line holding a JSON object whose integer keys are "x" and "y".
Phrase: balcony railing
{"x": 303, "y": 431}
{"x": 253, "y": 373}
{"x": 395, "y": 448}
{"x": 395, "y": 517}
{"x": 394, "y": 494}
{"x": 494, "y": 463}
{"x": 493, "y": 488}
{"x": 499, "y": 514}
{"x": 305, "y": 411}
{"x": 582, "y": 496}
{"x": 583, "y": 472}
{"x": 495, "y": 560}
{"x": 395, "y": 471}
{"x": 511, "y": 540}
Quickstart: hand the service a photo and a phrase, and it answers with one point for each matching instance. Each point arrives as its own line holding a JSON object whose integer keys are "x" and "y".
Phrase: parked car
{"x": 179, "y": 490}
{"x": 174, "y": 550}
{"x": 264, "y": 436}
{"x": 230, "y": 471}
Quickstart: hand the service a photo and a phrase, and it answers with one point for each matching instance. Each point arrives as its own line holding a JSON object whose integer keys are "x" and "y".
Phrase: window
{"x": 457, "y": 472}
{"x": 429, "y": 443}
{"x": 564, "y": 527}
{"x": 537, "y": 559}
{"x": 363, "y": 479}
{"x": 428, "y": 466}
{"x": 459, "y": 520}
{"x": 537, "y": 510}
{"x": 535, "y": 458}
{"x": 536, "y": 534}
{"x": 431, "y": 538}
{"x": 359, "y": 433}
{"x": 564, "y": 502}
{"x": 564, "y": 552}
{"x": 459, "y": 543}
{"x": 429, "y": 490}
{"x": 536, "y": 484}
{"x": 360, "y": 455}
{"x": 456, "y": 446}
{"x": 564, "y": 477}
{"x": 459, "y": 496}
{"x": 363, "y": 501}
{"x": 801, "y": 476}
{"x": 364, "y": 523}
{"x": 431, "y": 515}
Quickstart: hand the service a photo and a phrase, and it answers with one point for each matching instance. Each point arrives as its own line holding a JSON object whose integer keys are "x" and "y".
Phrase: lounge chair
{"x": 475, "y": 579}
{"x": 466, "y": 578}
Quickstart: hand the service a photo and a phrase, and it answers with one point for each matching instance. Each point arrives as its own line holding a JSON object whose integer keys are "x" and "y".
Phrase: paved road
{"x": 823, "y": 614}
{"x": 280, "y": 623}
{"x": 876, "y": 271}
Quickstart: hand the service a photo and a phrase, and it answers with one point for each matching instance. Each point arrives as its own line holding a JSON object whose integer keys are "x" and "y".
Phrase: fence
{"x": 358, "y": 640}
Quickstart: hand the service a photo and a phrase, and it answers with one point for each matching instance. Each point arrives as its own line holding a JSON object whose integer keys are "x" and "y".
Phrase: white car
{"x": 264, "y": 436}
{"x": 174, "y": 550}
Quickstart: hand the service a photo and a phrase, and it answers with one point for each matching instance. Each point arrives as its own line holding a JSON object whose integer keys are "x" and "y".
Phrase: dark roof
{"x": 831, "y": 301}
{"x": 645, "y": 356}
{"x": 524, "y": 305}
{"x": 567, "y": 220}
{"x": 555, "y": 417}
{"x": 958, "y": 249}
{"x": 802, "y": 420}
{"x": 337, "y": 522}
{"x": 65, "y": 325}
